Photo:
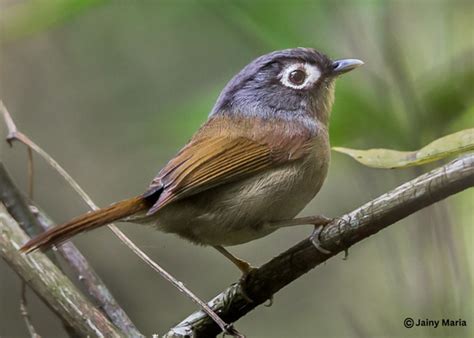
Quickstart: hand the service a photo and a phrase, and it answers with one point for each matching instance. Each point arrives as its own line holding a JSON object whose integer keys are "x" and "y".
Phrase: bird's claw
{"x": 315, "y": 238}
{"x": 245, "y": 274}
{"x": 269, "y": 302}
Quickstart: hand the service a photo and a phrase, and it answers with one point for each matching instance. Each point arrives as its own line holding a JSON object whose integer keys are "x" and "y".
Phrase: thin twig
{"x": 343, "y": 232}
{"x": 15, "y": 134}
{"x": 23, "y": 299}
{"x": 227, "y": 328}
{"x": 30, "y": 173}
{"x": 24, "y": 312}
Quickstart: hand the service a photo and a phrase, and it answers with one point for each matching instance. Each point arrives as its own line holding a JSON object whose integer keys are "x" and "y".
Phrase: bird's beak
{"x": 345, "y": 65}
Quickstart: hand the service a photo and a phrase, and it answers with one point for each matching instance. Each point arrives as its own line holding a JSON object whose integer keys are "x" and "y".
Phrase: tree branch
{"x": 233, "y": 303}
{"x": 19, "y": 209}
{"x": 50, "y": 284}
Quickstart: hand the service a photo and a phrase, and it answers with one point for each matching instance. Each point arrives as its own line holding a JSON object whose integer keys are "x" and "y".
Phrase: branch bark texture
{"x": 337, "y": 236}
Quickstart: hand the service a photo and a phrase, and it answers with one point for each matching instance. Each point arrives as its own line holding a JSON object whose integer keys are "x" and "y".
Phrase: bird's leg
{"x": 319, "y": 223}
{"x": 243, "y": 266}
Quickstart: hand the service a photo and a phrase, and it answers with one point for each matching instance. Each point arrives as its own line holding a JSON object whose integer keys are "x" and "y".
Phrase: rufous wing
{"x": 212, "y": 161}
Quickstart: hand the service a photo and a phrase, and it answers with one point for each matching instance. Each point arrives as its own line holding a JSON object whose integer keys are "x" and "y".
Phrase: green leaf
{"x": 453, "y": 144}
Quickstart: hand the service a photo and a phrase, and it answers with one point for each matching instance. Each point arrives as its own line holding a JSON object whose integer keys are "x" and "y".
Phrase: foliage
{"x": 450, "y": 145}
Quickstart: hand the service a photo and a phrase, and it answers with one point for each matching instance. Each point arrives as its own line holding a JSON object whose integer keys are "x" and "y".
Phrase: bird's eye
{"x": 297, "y": 77}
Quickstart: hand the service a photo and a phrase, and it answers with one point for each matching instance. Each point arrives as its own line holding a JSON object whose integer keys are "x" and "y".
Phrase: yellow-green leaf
{"x": 453, "y": 144}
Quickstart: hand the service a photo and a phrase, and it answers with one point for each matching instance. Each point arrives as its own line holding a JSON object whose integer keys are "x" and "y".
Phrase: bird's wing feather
{"x": 212, "y": 161}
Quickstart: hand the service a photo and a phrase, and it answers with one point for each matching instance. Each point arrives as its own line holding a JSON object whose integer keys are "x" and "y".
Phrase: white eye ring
{"x": 312, "y": 75}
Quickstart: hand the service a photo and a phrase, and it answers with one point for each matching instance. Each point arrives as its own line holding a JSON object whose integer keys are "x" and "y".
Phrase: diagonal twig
{"x": 23, "y": 299}
{"x": 31, "y": 170}
{"x": 15, "y": 134}
{"x": 24, "y": 312}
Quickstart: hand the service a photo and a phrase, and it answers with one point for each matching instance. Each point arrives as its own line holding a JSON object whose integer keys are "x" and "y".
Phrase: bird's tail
{"x": 87, "y": 222}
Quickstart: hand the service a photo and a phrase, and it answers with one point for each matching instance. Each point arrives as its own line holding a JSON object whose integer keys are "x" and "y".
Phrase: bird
{"x": 259, "y": 159}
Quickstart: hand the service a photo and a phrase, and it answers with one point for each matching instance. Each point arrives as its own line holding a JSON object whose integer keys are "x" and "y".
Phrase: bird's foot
{"x": 246, "y": 269}
{"x": 244, "y": 266}
{"x": 269, "y": 302}
{"x": 318, "y": 227}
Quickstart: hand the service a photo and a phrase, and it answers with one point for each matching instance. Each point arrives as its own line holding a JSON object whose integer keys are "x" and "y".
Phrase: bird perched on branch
{"x": 261, "y": 156}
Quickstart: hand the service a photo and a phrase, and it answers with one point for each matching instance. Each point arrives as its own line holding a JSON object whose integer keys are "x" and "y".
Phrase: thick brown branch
{"x": 337, "y": 236}
{"x": 50, "y": 284}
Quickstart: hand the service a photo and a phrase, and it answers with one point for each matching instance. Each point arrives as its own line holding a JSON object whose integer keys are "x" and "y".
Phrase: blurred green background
{"x": 112, "y": 89}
